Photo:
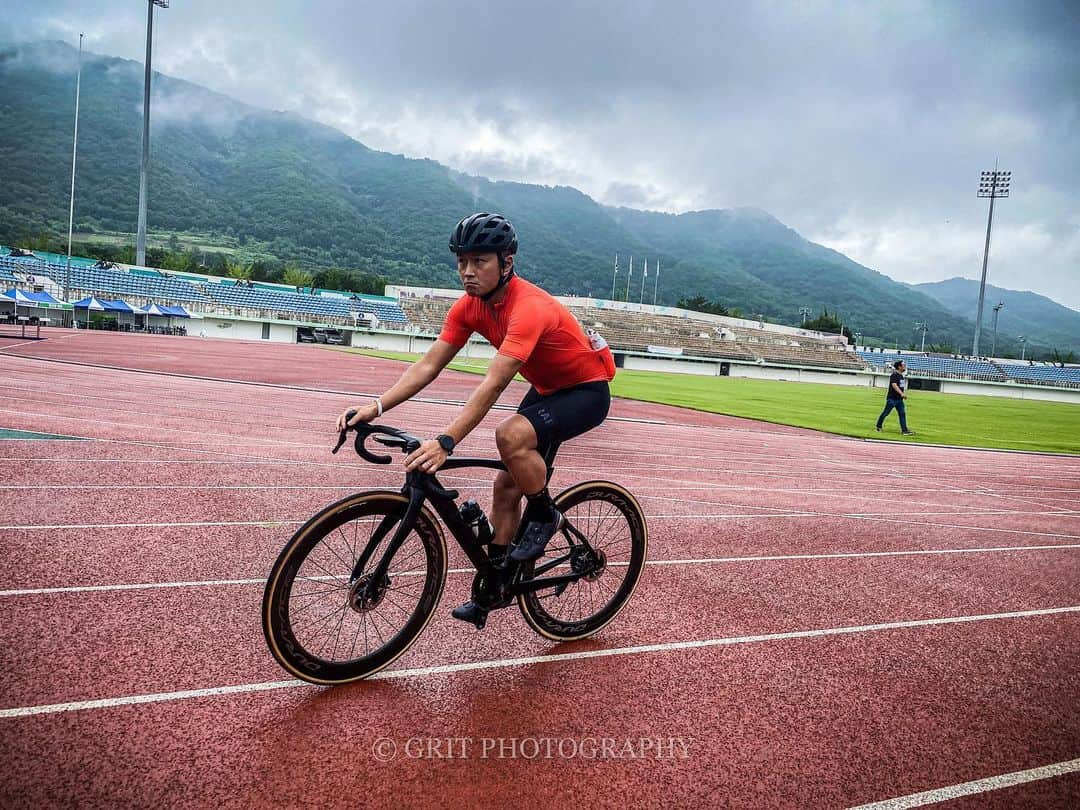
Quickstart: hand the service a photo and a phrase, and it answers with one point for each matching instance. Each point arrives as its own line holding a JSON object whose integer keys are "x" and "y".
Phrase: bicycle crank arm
{"x": 530, "y": 585}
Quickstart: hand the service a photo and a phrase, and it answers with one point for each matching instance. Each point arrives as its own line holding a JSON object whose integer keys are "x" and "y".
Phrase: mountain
{"x": 1041, "y": 320}
{"x": 277, "y": 187}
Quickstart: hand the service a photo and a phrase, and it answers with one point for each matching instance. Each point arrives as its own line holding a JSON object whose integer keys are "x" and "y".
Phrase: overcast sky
{"x": 862, "y": 125}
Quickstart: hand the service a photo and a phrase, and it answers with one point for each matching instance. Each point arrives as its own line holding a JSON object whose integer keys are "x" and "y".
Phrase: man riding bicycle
{"x": 535, "y": 335}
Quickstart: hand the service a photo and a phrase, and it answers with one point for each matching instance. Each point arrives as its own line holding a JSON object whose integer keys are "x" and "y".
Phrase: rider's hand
{"x": 364, "y": 413}
{"x": 427, "y": 458}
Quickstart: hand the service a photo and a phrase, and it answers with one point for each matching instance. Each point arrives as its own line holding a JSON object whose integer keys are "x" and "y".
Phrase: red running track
{"x": 823, "y": 623}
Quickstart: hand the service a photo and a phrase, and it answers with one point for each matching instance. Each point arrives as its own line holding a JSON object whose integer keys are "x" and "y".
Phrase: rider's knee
{"x": 513, "y": 437}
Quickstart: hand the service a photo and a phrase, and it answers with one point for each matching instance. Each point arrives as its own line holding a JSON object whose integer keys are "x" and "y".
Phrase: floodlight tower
{"x": 993, "y": 184}
{"x": 1000, "y": 305}
{"x": 805, "y": 312}
{"x": 144, "y": 166}
{"x": 1023, "y": 348}
{"x": 74, "y": 152}
{"x": 858, "y": 339}
{"x": 920, "y": 326}
{"x": 613, "y": 276}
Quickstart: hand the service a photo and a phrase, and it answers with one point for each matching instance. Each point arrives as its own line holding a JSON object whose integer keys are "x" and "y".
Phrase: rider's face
{"x": 479, "y": 272}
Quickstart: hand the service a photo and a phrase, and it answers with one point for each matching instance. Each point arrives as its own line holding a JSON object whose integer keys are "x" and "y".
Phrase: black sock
{"x": 539, "y": 507}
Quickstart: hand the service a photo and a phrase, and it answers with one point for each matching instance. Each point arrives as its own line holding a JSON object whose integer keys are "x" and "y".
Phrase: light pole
{"x": 858, "y": 338}
{"x": 993, "y": 346}
{"x": 993, "y": 184}
{"x": 644, "y": 278}
{"x": 1023, "y": 347}
{"x": 805, "y": 313}
{"x": 74, "y": 152}
{"x": 656, "y": 281}
{"x": 613, "y": 276}
{"x": 920, "y": 326}
{"x": 144, "y": 165}
{"x": 629, "y": 275}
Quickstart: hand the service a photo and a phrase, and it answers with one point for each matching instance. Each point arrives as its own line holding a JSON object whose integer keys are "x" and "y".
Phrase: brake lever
{"x": 344, "y": 433}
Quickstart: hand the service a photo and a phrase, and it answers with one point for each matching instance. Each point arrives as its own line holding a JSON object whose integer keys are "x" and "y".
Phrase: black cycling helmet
{"x": 483, "y": 232}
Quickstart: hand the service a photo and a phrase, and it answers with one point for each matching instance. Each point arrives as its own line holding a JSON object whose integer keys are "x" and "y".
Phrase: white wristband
{"x": 378, "y": 404}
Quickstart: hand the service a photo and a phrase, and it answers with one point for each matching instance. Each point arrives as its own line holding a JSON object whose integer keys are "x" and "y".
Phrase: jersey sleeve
{"x": 528, "y": 323}
{"x": 457, "y": 328}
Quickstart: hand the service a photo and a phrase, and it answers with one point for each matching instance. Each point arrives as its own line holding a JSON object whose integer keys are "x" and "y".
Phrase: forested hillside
{"x": 277, "y": 189}
{"x": 1042, "y": 321}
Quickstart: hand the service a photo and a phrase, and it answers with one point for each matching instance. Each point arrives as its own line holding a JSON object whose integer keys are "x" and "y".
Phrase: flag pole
{"x": 656, "y": 281}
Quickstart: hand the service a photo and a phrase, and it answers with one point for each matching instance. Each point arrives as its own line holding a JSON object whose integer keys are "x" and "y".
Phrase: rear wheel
{"x": 324, "y": 626}
{"x": 611, "y": 521}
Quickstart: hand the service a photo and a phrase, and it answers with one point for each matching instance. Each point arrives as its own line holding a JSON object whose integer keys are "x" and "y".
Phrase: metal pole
{"x": 982, "y": 283}
{"x": 656, "y": 281}
{"x": 144, "y": 166}
{"x": 613, "y": 276}
{"x": 629, "y": 275}
{"x": 74, "y": 151}
{"x": 644, "y": 278}
{"x": 993, "y": 345}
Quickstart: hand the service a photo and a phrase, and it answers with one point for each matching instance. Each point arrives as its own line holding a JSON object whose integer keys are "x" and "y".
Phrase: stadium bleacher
{"x": 258, "y": 299}
{"x": 203, "y": 295}
{"x": 1043, "y": 375}
{"x": 119, "y": 282}
{"x": 954, "y": 367}
{"x": 385, "y": 311}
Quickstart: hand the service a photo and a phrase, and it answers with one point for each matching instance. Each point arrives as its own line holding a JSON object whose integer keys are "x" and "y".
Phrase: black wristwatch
{"x": 446, "y": 443}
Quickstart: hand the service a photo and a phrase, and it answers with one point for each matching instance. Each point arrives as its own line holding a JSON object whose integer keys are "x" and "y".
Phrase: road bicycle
{"x": 357, "y": 584}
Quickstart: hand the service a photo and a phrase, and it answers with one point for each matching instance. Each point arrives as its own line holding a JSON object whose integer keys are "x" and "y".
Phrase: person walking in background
{"x": 895, "y": 396}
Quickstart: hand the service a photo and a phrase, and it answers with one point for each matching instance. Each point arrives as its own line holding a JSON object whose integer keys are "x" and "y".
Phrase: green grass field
{"x": 970, "y": 421}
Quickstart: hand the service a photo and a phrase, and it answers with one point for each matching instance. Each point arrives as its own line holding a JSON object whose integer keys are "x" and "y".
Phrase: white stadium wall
{"x": 1010, "y": 390}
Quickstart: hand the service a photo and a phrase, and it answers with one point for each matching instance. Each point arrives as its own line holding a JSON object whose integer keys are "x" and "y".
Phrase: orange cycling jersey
{"x": 531, "y": 326}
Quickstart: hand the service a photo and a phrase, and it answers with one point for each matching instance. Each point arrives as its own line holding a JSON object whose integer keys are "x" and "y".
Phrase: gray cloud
{"x": 862, "y": 125}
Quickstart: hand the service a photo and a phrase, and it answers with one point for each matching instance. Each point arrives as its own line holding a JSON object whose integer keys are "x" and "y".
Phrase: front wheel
{"x": 326, "y": 626}
{"x": 609, "y": 518}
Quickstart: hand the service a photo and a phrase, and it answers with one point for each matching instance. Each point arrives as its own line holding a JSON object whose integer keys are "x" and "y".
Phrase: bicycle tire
{"x": 280, "y": 608}
{"x": 588, "y": 506}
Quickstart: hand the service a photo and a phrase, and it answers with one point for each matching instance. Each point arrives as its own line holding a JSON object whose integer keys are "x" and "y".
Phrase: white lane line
{"x": 274, "y": 524}
{"x": 446, "y": 669}
{"x": 976, "y": 786}
{"x": 266, "y": 524}
{"x": 964, "y": 526}
{"x": 353, "y": 486}
{"x": 839, "y": 555}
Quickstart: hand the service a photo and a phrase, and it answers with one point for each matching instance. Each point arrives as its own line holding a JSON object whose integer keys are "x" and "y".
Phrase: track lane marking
{"x": 447, "y": 669}
{"x": 974, "y": 787}
{"x": 839, "y": 555}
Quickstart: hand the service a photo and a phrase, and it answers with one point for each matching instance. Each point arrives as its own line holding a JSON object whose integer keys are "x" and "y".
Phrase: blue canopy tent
{"x": 177, "y": 311}
{"x": 16, "y": 296}
{"x": 90, "y": 303}
{"x": 46, "y": 299}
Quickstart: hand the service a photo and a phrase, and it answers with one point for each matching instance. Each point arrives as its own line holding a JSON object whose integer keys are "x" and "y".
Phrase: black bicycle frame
{"x": 423, "y": 487}
{"x": 420, "y": 487}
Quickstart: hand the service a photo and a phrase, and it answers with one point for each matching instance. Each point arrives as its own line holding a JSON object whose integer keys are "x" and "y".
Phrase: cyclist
{"x": 534, "y": 335}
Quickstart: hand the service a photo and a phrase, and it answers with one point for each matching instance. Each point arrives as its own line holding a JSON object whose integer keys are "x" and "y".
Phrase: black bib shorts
{"x": 564, "y": 414}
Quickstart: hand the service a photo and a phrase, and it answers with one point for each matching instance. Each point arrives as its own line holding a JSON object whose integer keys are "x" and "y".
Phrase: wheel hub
{"x": 589, "y": 563}
{"x": 363, "y": 598}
